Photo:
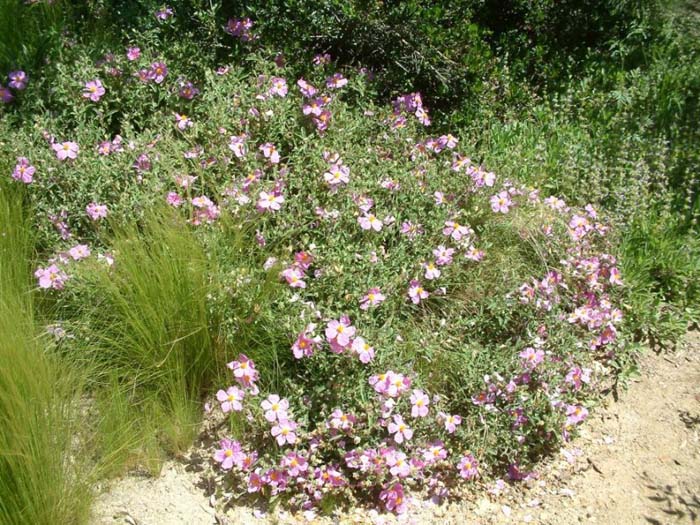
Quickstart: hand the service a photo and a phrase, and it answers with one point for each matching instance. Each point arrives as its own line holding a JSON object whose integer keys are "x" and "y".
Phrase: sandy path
{"x": 637, "y": 461}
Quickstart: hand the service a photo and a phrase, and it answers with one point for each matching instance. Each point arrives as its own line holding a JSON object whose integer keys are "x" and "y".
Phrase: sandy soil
{"x": 637, "y": 461}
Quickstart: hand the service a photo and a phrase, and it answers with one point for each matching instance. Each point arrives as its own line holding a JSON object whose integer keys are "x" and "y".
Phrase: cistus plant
{"x": 371, "y": 311}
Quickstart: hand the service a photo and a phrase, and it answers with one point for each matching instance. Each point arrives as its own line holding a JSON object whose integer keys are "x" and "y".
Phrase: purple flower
{"x": 401, "y": 431}
{"x": 158, "y": 72}
{"x": 164, "y": 13}
{"x": 187, "y": 90}
{"x": 416, "y": 292}
{"x": 468, "y": 467}
{"x": 394, "y": 499}
{"x": 283, "y": 431}
{"x": 93, "y": 90}
{"x": 18, "y": 80}
{"x": 240, "y": 29}
{"x": 307, "y": 90}
{"x": 228, "y": 454}
{"x": 531, "y": 357}
{"x": 279, "y": 87}
{"x": 336, "y": 81}
{"x": 6, "y": 95}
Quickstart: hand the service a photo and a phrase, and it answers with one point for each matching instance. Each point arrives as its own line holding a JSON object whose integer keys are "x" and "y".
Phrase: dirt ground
{"x": 637, "y": 461}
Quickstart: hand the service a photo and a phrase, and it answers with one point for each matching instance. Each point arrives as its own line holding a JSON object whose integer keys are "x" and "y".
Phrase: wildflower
{"x": 228, "y": 453}
{"x": 304, "y": 346}
{"x": 51, "y": 278}
{"x": 270, "y": 201}
{"x": 575, "y": 414}
{"x": 283, "y": 431}
{"x": 18, "y": 80}
{"x": 374, "y": 297}
{"x": 531, "y": 357}
{"x": 416, "y": 292}
{"x": 397, "y": 463}
{"x": 96, "y": 211}
{"x": 182, "y": 122}
{"x": 279, "y": 87}
{"x": 393, "y": 498}
{"x": 321, "y": 60}
{"x": 473, "y": 254}
{"x": 294, "y": 277}
{"x": 615, "y": 276}
{"x": 456, "y": 230}
{"x": 133, "y": 53}
{"x": 451, "y": 421}
{"x": 24, "y": 172}
{"x": 66, "y": 150}
{"x": 158, "y": 72}
{"x": 164, "y": 13}
{"x": 270, "y": 152}
{"x": 275, "y": 408}
{"x": 255, "y": 482}
{"x": 238, "y": 146}
{"x": 94, "y": 90}
{"x": 6, "y": 95}
{"x": 435, "y": 452}
{"x": 79, "y": 251}
{"x": 339, "y": 332}
{"x": 576, "y": 376}
{"x": 443, "y": 256}
{"x": 240, "y": 29}
{"x": 295, "y": 464}
{"x": 501, "y": 202}
{"x": 322, "y": 120}
{"x": 468, "y": 467}
{"x": 363, "y": 350}
{"x": 336, "y": 81}
{"x": 370, "y": 222}
{"x": 419, "y": 404}
{"x": 337, "y": 174}
{"x": 231, "y": 399}
{"x": 245, "y": 373}
{"x": 307, "y": 90}
{"x": 431, "y": 271}
{"x": 341, "y": 421}
{"x": 411, "y": 230}
{"x": 400, "y": 430}
{"x": 187, "y": 90}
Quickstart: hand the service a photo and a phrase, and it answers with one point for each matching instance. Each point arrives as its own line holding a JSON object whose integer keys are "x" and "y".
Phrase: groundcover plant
{"x": 369, "y": 311}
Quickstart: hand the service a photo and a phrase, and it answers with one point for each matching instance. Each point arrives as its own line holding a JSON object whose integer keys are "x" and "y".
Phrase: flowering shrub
{"x": 433, "y": 324}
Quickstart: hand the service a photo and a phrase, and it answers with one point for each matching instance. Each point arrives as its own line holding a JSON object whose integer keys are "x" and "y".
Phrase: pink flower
{"x": 238, "y": 146}
{"x": 51, "y": 278}
{"x": 575, "y": 414}
{"x": 294, "y": 276}
{"x": 411, "y": 230}
{"x": 443, "y": 255}
{"x": 295, "y": 464}
{"x": 577, "y": 376}
{"x": 451, "y": 421}
{"x": 474, "y": 255}
{"x": 419, "y": 402}
{"x": 435, "y": 452}
{"x": 93, "y": 90}
{"x": 173, "y": 199}
{"x": 307, "y": 90}
{"x": 400, "y": 430}
{"x": 468, "y": 467}
{"x": 284, "y": 432}
{"x": 393, "y": 498}
{"x": 370, "y": 222}
{"x": 255, "y": 482}
{"x": 182, "y": 122}
{"x": 431, "y": 271}
{"x": 279, "y": 87}
{"x": 96, "y": 211}
{"x": 397, "y": 463}
{"x": 416, "y": 292}
{"x": 231, "y": 399}
{"x": 305, "y": 346}
{"x": 66, "y": 150}
{"x": 133, "y": 53}
{"x": 158, "y": 72}
{"x": 531, "y": 357}
{"x": 501, "y": 202}
{"x": 341, "y": 421}
{"x": 363, "y": 350}
{"x": 270, "y": 201}
{"x": 336, "y": 81}
{"x": 79, "y": 251}
{"x": 374, "y": 297}
{"x": 228, "y": 453}
{"x": 339, "y": 332}
{"x": 245, "y": 373}
{"x": 23, "y": 172}
{"x": 456, "y": 231}
{"x": 18, "y": 80}
{"x": 337, "y": 174}
{"x": 270, "y": 152}
{"x": 275, "y": 408}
